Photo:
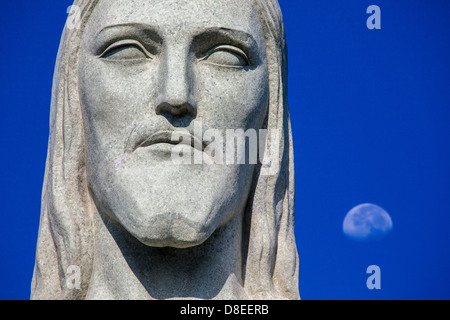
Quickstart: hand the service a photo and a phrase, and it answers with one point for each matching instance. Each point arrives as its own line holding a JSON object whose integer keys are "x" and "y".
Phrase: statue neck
{"x": 124, "y": 268}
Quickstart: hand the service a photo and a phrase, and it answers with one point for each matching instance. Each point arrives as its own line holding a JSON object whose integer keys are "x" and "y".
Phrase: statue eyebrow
{"x": 203, "y": 42}
{"x": 148, "y": 36}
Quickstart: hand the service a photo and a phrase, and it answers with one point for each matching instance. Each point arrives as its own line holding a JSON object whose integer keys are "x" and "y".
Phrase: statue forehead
{"x": 177, "y": 14}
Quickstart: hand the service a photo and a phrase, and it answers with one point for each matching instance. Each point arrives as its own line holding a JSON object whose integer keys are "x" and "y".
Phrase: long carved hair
{"x": 67, "y": 231}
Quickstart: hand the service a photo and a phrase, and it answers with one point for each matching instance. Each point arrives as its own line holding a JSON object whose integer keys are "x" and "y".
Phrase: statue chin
{"x": 182, "y": 212}
{"x": 170, "y": 229}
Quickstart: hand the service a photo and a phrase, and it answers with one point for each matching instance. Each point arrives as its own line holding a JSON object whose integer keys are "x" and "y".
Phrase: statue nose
{"x": 176, "y": 99}
{"x": 177, "y": 110}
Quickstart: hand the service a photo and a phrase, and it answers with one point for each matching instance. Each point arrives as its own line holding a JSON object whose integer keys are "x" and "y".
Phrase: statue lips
{"x": 169, "y": 137}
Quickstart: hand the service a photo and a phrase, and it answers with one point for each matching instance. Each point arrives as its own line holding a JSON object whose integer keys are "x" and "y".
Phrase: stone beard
{"x": 115, "y": 206}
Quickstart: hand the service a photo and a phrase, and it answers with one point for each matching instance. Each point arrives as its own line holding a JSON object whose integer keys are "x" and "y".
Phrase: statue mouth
{"x": 170, "y": 137}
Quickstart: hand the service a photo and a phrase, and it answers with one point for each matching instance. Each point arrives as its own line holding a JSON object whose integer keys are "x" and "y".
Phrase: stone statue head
{"x": 128, "y": 77}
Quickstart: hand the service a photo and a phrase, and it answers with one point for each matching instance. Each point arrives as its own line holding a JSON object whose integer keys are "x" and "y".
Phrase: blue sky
{"x": 369, "y": 111}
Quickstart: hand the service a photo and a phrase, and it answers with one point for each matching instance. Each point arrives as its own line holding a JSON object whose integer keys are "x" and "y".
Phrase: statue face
{"x": 150, "y": 67}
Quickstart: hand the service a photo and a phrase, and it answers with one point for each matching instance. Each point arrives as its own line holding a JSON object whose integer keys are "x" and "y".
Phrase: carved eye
{"x": 229, "y": 56}
{"x": 125, "y": 50}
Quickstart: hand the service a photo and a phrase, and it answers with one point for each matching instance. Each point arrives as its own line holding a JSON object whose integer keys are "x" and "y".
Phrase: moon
{"x": 367, "y": 222}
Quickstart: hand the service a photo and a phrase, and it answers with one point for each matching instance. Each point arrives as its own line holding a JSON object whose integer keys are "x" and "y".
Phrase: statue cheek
{"x": 114, "y": 99}
{"x": 113, "y": 92}
{"x": 231, "y": 99}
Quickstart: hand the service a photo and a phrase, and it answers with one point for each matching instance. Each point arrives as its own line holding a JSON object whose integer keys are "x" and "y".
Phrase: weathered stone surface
{"x": 120, "y": 219}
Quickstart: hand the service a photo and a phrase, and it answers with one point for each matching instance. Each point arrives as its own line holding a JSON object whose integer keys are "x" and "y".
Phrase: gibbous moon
{"x": 367, "y": 222}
